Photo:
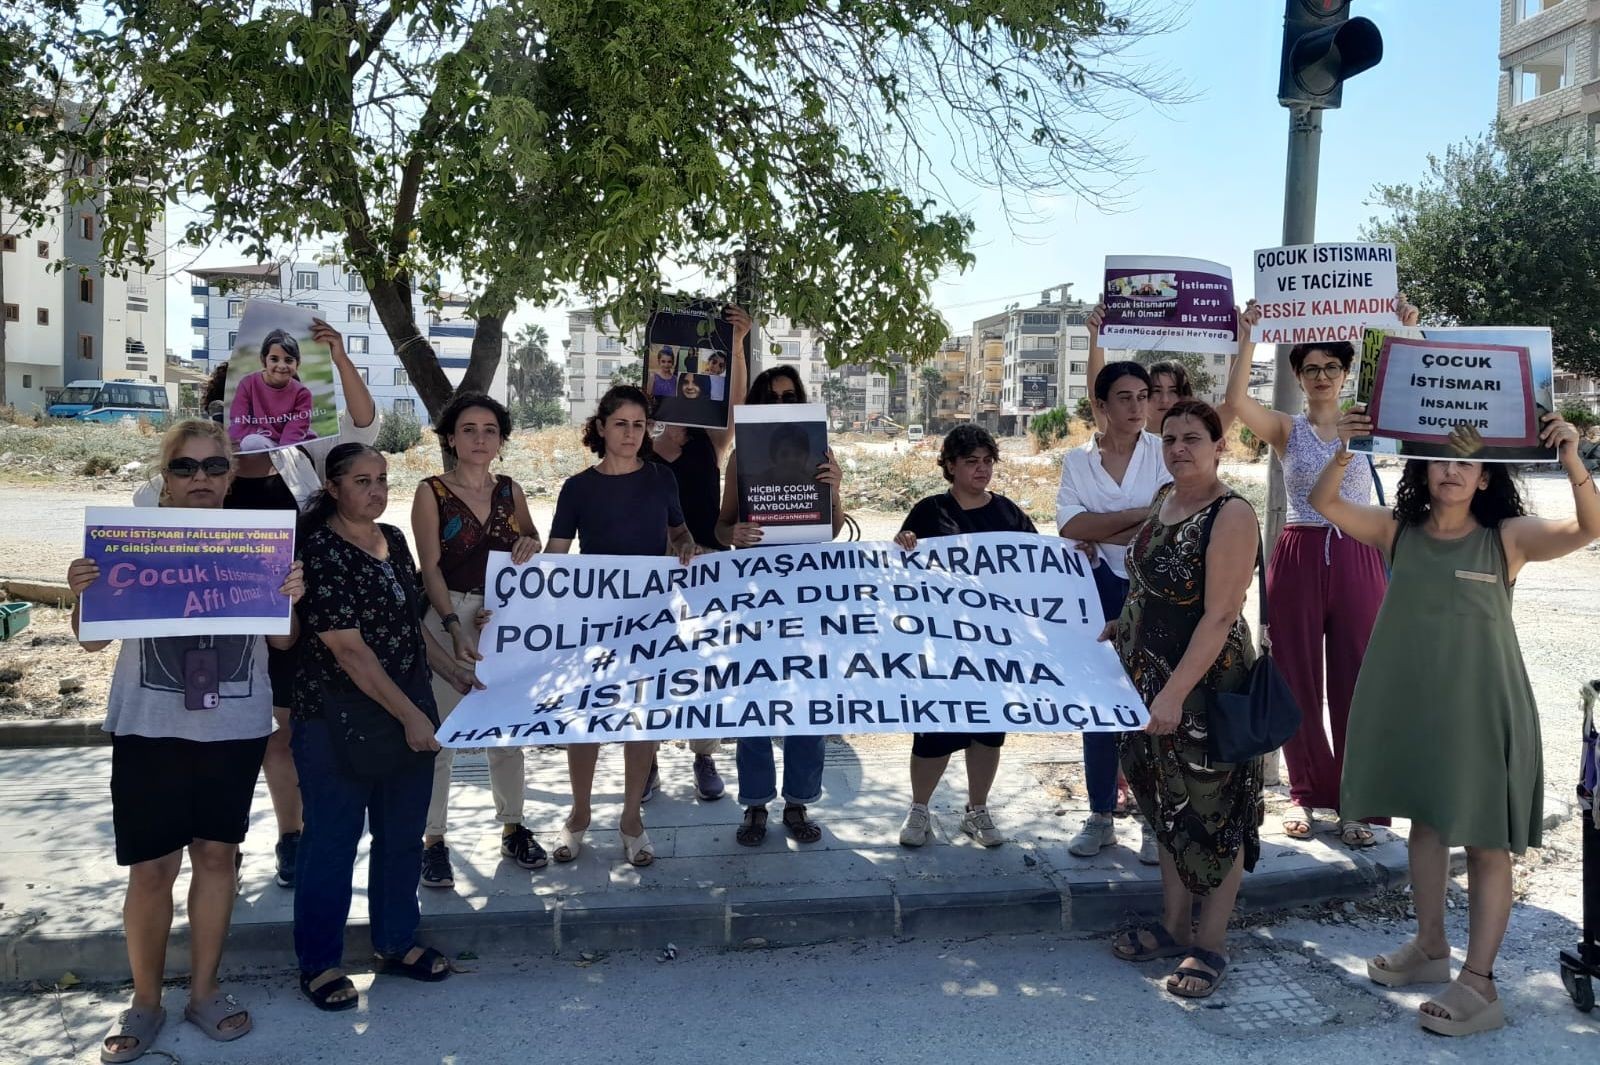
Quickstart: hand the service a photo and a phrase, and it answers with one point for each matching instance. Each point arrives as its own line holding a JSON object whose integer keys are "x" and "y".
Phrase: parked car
{"x": 111, "y": 401}
{"x": 914, "y": 434}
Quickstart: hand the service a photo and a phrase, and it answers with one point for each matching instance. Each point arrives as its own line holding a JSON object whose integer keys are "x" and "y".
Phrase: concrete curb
{"x": 64, "y": 732}
{"x": 45, "y": 593}
{"x": 735, "y": 917}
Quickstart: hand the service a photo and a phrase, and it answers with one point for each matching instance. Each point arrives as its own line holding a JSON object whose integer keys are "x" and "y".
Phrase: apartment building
{"x": 948, "y": 406}
{"x": 339, "y": 296}
{"x": 77, "y": 322}
{"x": 1043, "y": 361}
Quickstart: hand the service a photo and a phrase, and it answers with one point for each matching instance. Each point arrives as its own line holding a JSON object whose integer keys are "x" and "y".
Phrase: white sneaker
{"x": 917, "y": 827}
{"x": 1148, "y": 854}
{"x": 1098, "y": 832}
{"x": 977, "y": 823}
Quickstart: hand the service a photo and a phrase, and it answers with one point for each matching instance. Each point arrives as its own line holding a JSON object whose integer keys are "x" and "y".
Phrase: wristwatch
{"x": 450, "y": 619}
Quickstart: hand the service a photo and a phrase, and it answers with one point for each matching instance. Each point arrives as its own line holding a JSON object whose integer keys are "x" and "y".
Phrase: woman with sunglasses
{"x": 802, "y": 755}
{"x": 364, "y": 731}
{"x": 182, "y": 777}
{"x": 286, "y": 479}
{"x": 1324, "y": 587}
{"x": 622, "y": 505}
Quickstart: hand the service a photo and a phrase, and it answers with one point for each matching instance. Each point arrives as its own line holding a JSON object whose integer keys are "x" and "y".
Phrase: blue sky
{"x": 1208, "y": 178}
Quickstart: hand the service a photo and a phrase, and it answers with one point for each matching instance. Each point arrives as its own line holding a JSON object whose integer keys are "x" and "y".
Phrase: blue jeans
{"x": 758, "y": 772}
{"x": 1100, "y": 764}
{"x": 336, "y": 805}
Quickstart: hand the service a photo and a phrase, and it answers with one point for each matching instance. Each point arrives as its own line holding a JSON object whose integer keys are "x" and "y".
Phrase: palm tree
{"x": 932, "y": 391}
{"x": 532, "y": 348}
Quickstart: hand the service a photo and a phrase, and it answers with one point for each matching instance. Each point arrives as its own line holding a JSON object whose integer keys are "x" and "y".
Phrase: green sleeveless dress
{"x": 1443, "y": 726}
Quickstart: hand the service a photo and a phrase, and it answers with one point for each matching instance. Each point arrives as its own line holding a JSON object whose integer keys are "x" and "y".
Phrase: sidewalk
{"x": 61, "y": 890}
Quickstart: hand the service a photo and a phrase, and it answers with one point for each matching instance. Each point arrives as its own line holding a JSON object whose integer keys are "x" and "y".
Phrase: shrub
{"x": 95, "y": 465}
{"x": 398, "y": 434}
{"x": 1049, "y": 427}
{"x": 1580, "y": 416}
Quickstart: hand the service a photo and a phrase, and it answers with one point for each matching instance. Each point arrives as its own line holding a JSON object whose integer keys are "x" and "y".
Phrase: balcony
{"x": 200, "y": 290}
{"x": 199, "y": 322}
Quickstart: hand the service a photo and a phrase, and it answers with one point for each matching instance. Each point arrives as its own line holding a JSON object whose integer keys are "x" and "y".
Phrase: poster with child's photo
{"x": 779, "y": 448}
{"x": 280, "y": 379}
{"x": 689, "y": 344}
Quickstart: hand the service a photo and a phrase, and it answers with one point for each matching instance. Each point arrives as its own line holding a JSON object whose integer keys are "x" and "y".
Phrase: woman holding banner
{"x": 967, "y": 460}
{"x": 183, "y": 777}
{"x": 1183, "y": 639}
{"x": 459, "y": 517}
{"x": 802, "y": 755}
{"x": 1324, "y": 587}
{"x": 622, "y": 505}
{"x": 1444, "y": 729}
{"x": 1106, "y": 489}
{"x": 695, "y": 457}
{"x": 364, "y": 731}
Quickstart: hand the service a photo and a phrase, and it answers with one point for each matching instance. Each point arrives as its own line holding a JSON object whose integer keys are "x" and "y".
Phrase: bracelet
{"x": 1583, "y": 482}
{"x": 450, "y": 619}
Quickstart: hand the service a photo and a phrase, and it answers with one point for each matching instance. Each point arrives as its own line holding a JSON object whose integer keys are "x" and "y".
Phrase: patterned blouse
{"x": 346, "y": 588}
{"x": 464, "y": 541}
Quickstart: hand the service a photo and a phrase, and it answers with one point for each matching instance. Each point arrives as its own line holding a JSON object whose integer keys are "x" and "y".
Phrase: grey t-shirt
{"x": 147, "y": 688}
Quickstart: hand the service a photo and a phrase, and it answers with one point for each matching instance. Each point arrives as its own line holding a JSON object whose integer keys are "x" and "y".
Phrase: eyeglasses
{"x": 1324, "y": 373}
{"x": 215, "y": 466}
{"x": 394, "y": 582}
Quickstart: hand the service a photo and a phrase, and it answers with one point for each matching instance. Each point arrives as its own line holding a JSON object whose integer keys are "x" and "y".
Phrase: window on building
{"x": 85, "y": 346}
{"x": 1077, "y": 367}
{"x": 405, "y": 406}
{"x": 8, "y": 243}
{"x": 235, "y": 308}
{"x": 357, "y": 345}
{"x": 400, "y": 378}
{"x": 13, "y": 312}
{"x": 605, "y": 368}
{"x": 233, "y": 341}
{"x": 86, "y": 290}
{"x": 1079, "y": 344}
{"x": 305, "y": 279}
{"x": 575, "y": 364}
{"x": 362, "y": 370}
{"x": 575, "y": 389}
{"x": 42, "y": 316}
{"x": 27, "y": 380}
{"x": 354, "y": 282}
{"x": 607, "y": 344}
{"x": 1039, "y": 318}
{"x": 1077, "y": 391}
{"x": 359, "y": 312}
{"x": 308, "y": 306}
{"x": 1544, "y": 73}
{"x": 1526, "y": 9}
{"x": 1220, "y": 360}
{"x": 86, "y": 226}
{"x": 42, "y": 247}
{"x": 786, "y": 349}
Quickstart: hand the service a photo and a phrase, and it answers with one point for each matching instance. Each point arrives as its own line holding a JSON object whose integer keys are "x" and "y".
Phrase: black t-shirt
{"x": 260, "y": 493}
{"x": 699, "y": 486}
{"x": 941, "y": 515}
{"x": 346, "y": 588}
{"x": 618, "y": 514}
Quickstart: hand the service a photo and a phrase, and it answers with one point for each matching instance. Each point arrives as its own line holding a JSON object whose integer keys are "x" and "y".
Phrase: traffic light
{"x": 1322, "y": 46}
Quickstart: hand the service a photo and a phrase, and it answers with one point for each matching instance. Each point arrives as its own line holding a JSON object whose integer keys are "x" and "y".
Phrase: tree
{"x": 932, "y": 389}
{"x": 537, "y": 148}
{"x": 531, "y": 375}
{"x": 835, "y": 394}
{"x": 1502, "y": 231}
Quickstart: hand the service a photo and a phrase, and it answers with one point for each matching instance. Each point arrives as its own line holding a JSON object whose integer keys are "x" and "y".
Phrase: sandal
{"x": 1356, "y": 834}
{"x": 639, "y": 851}
{"x": 424, "y": 967}
{"x": 1469, "y": 1012}
{"x": 209, "y": 1015}
{"x": 754, "y": 827}
{"x": 1409, "y": 965}
{"x": 1299, "y": 823}
{"x": 142, "y": 1026}
{"x": 1210, "y": 980}
{"x": 571, "y": 844}
{"x": 801, "y": 827}
{"x": 1126, "y": 944}
{"x": 321, "y": 988}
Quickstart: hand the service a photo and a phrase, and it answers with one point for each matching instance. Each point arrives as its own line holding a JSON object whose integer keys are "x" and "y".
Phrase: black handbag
{"x": 369, "y": 743}
{"x": 1260, "y": 719}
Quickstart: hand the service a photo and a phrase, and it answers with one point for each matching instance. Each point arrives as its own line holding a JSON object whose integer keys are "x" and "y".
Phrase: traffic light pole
{"x": 1299, "y": 227}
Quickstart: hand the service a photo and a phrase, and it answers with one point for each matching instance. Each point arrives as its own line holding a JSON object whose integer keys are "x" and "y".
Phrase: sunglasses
{"x": 394, "y": 582}
{"x": 215, "y": 466}
{"x": 786, "y": 397}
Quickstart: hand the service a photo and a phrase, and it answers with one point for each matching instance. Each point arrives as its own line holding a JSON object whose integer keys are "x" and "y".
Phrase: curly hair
{"x": 1502, "y": 498}
{"x": 616, "y": 396}
{"x": 445, "y": 425}
{"x": 962, "y": 441}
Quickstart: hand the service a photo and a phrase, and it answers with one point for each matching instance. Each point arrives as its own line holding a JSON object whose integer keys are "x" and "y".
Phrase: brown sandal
{"x": 801, "y": 827}
{"x": 754, "y": 828}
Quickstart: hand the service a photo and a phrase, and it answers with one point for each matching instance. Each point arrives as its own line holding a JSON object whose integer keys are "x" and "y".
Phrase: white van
{"x": 914, "y": 434}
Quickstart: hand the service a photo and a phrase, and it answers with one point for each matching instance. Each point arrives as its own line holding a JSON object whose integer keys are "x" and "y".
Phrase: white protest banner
{"x": 1162, "y": 303}
{"x": 1324, "y": 293}
{"x": 1476, "y": 393}
{"x": 982, "y": 633}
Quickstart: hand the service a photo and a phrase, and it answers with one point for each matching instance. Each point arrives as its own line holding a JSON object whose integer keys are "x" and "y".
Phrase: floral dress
{"x": 1203, "y": 811}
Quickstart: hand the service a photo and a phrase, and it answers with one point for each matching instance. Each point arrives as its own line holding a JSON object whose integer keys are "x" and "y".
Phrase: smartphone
{"x": 201, "y": 688}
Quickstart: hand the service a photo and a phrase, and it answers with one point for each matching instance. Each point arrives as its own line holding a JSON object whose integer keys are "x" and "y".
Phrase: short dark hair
{"x": 322, "y": 506}
{"x": 761, "y": 388}
{"x": 283, "y": 339}
{"x": 1196, "y": 408}
{"x": 1342, "y": 350}
{"x": 1177, "y": 371}
{"x": 1112, "y": 372}
{"x": 445, "y": 425}
{"x": 962, "y": 441}
{"x": 1501, "y": 499}
{"x": 616, "y": 396}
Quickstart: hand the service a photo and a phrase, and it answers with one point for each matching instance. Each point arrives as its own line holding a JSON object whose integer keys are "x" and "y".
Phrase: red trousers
{"x": 1324, "y": 591}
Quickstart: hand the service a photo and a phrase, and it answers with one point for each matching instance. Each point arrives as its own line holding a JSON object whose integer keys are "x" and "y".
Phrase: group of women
{"x": 382, "y": 648}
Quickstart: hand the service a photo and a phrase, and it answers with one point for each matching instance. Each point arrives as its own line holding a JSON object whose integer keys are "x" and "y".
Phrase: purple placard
{"x": 185, "y": 572}
{"x": 1159, "y": 303}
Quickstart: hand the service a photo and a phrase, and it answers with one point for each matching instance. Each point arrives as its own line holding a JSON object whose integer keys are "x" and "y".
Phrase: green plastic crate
{"x": 13, "y": 618}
